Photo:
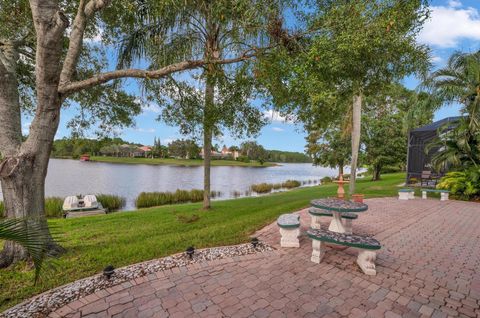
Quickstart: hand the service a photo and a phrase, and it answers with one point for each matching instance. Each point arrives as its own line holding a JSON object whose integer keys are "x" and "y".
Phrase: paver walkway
{"x": 429, "y": 266}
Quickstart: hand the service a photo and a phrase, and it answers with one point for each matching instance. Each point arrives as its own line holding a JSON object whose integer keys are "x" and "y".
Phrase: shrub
{"x": 54, "y": 207}
{"x": 289, "y": 184}
{"x": 464, "y": 185}
{"x": 277, "y": 186}
{"x": 326, "y": 180}
{"x": 149, "y": 199}
{"x": 262, "y": 187}
{"x": 196, "y": 195}
{"x": 243, "y": 159}
{"x": 111, "y": 202}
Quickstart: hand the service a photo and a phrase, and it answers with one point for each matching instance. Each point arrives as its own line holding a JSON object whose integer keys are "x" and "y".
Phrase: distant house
{"x": 213, "y": 153}
{"x": 145, "y": 150}
{"x": 225, "y": 153}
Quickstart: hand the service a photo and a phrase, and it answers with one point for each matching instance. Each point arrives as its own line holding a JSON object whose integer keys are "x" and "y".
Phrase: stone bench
{"x": 289, "y": 225}
{"x": 443, "y": 193}
{"x": 316, "y": 213}
{"x": 366, "y": 245}
{"x": 406, "y": 194}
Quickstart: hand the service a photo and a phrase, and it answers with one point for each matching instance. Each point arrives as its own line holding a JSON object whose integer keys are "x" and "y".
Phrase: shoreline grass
{"x": 179, "y": 162}
{"x": 126, "y": 238}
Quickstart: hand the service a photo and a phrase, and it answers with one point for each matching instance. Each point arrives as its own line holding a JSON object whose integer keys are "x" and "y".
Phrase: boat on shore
{"x": 77, "y": 206}
{"x": 85, "y": 157}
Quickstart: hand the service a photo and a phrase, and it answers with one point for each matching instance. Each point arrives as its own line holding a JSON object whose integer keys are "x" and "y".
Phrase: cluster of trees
{"x": 387, "y": 116}
{"x": 343, "y": 52}
{"x": 251, "y": 150}
{"x": 75, "y": 147}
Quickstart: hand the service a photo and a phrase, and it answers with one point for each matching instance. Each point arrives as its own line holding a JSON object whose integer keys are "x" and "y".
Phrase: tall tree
{"x": 43, "y": 67}
{"x": 219, "y": 98}
{"x": 365, "y": 45}
{"x": 354, "y": 48}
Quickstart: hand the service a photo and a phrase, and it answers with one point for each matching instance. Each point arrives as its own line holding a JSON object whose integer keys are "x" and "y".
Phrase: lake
{"x": 71, "y": 177}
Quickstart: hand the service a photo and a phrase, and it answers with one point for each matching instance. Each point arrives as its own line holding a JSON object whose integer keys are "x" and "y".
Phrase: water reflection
{"x": 69, "y": 177}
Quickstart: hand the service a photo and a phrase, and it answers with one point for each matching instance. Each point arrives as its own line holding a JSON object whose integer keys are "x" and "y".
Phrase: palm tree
{"x": 166, "y": 32}
{"x": 29, "y": 234}
{"x": 458, "y": 82}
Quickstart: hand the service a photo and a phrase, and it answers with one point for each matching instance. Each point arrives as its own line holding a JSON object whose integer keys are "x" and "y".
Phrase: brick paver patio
{"x": 428, "y": 267}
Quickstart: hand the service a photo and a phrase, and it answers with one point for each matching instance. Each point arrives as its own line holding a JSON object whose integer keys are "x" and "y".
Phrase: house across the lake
{"x": 226, "y": 153}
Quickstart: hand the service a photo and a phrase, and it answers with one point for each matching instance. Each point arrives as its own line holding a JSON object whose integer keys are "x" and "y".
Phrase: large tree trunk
{"x": 356, "y": 123}
{"x": 376, "y": 172}
{"x": 24, "y": 166}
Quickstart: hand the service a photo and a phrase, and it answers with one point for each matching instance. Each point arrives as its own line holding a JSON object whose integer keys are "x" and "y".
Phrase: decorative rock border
{"x": 43, "y": 304}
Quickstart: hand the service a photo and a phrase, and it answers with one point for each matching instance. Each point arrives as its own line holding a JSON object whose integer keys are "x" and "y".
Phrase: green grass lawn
{"x": 178, "y": 162}
{"x": 129, "y": 237}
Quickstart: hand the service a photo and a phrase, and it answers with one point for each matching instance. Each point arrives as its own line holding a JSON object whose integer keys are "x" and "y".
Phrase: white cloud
{"x": 275, "y": 116}
{"x": 145, "y": 130}
{"x": 454, "y": 3}
{"x": 449, "y": 25}
{"x": 278, "y": 129}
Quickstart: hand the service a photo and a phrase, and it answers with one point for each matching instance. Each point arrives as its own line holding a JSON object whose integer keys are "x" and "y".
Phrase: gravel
{"x": 43, "y": 304}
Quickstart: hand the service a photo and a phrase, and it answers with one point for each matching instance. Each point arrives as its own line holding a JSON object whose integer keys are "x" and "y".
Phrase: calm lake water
{"x": 71, "y": 177}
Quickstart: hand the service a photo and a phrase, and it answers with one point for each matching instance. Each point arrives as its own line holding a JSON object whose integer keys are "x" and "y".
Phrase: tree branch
{"x": 98, "y": 79}
{"x": 85, "y": 10}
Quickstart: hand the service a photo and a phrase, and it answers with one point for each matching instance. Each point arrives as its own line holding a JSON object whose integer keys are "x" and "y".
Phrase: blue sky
{"x": 454, "y": 25}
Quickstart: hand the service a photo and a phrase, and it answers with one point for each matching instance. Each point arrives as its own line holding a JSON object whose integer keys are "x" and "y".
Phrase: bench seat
{"x": 366, "y": 245}
{"x": 443, "y": 193}
{"x": 406, "y": 194}
{"x": 289, "y": 225}
{"x": 320, "y": 212}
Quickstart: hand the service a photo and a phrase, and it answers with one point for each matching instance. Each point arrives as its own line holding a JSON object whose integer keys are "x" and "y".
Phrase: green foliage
{"x": 290, "y": 184}
{"x": 149, "y": 199}
{"x": 462, "y": 184}
{"x": 185, "y": 149}
{"x": 243, "y": 159}
{"x": 262, "y": 187}
{"x": 2, "y": 209}
{"x": 458, "y": 81}
{"x": 54, "y": 207}
{"x": 253, "y": 151}
{"x": 33, "y": 235}
{"x": 111, "y": 202}
{"x": 326, "y": 180}
{"x": 329, "y": 147}
{"x": 287, "y": 156}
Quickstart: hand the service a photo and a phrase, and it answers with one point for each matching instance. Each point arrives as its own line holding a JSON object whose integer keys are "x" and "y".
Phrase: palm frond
{"x": 32, "y": 234}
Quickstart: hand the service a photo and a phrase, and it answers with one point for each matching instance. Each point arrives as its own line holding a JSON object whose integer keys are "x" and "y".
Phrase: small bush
{"x": 464, "y": 185}
{"x": 196, "y": 195}
{"x": 277, "y": 186}
{"x": 243, "y": 159}
{"x": 326, "y": 180}
{"x": 54, "y": 207}
{"x": 111, "y": 202}
{"x": 215, "y": 194}
{"x": 236, "y": 194}
{"x": 290, "y": 184}
{"x": 262, "y": 187}
{"x": 149, "y": 199}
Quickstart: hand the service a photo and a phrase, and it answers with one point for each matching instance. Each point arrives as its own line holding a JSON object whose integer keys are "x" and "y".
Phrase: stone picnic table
{"x": 337, "y": 207}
